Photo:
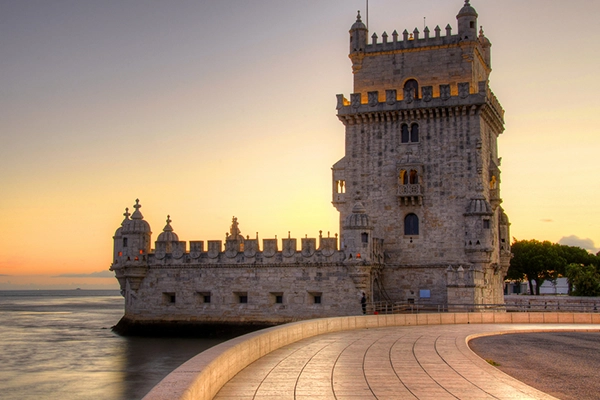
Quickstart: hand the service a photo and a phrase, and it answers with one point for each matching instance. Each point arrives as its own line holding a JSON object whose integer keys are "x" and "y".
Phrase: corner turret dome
{"x": 358, "y": 218}
{"x": 136, "y": 224}
{"x": 167, "y": 235}
{"x": 467, "y": 11}
{"x": 124, "y": 223}
{"x": 358, "y": 24}
{"x": 479, "y": 206}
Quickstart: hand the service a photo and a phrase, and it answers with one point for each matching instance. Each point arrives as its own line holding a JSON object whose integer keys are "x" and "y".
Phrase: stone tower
{"x": 421, "y": 154}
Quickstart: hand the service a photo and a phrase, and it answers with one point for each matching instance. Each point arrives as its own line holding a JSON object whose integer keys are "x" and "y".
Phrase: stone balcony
{"x": 410, "y": 194}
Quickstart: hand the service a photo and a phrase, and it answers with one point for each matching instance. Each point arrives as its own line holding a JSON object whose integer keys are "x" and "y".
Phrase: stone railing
{"x": 410, "y": 190}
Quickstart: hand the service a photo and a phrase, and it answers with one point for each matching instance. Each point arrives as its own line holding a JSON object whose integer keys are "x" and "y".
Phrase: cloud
{"x": 547, "y": 220}
{"x": 101, "y": 274}
{"x": 573, "y": 240}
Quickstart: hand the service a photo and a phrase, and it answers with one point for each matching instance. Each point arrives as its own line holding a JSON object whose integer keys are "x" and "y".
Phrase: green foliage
{"x": 535, "y": 261}
{"x": 585, "y": 279}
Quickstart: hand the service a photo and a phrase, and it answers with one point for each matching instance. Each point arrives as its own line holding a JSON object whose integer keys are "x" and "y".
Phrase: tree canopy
{"x": 537, "y": 262}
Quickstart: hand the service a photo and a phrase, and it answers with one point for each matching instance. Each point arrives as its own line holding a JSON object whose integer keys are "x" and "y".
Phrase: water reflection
{"x": 60, "y": 346}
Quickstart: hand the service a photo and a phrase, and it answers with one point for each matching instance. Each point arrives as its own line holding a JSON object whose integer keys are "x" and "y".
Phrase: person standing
{"x": 363, "y": 303}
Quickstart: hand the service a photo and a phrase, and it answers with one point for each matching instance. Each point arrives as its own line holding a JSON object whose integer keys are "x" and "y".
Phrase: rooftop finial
{"x": 126, "y": 213}
{"x": 358, "y": 19}
{"x": 481, "y": 30}
{"x": 137, "y": 214}
{"x": 467, "y": 3}
{"x": 168, "y": 227}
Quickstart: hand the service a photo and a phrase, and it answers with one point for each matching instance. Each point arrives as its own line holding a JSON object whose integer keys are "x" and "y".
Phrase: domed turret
{"x": 137, "y": 224}
{"x": 467, "y": 22}
{"x": 358, "y": 218}
{"x": 134, "y": 234}
{"x": 358, "y": 36}
{"x": 479, "y": 206}
{"x": 167, "y": 235}
{"x": 357, "y": 235}
{"x": 486, "y": 46}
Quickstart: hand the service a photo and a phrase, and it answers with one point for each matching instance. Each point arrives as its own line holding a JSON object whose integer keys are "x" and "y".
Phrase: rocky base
{"x": 128, "y": 327}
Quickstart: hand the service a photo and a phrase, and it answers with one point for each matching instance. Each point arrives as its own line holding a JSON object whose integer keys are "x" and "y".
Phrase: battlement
{"x": 414, "y": 40}
{"x": 462, "y": 94}
{"x": 237, "y": 252}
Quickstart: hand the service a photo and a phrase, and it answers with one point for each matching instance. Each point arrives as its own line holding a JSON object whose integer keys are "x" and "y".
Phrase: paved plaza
{"x": 405, "y": 362}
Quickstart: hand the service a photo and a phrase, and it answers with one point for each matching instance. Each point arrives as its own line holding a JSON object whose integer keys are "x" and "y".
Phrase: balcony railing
{"x": 410, "y": 194}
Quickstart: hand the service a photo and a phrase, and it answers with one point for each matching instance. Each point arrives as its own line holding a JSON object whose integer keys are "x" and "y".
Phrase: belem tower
{"x": 418, "y": 192}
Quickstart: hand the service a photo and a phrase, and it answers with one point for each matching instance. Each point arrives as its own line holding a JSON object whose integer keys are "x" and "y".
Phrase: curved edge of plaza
{"x": 418, "y": 356}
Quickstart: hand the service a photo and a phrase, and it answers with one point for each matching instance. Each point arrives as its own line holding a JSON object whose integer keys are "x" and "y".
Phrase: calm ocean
{"x": 58, "y": 345}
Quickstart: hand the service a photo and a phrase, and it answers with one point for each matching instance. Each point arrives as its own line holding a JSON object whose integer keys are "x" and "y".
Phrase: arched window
{"x": 414, "y": 133}
{"x": 403, "y": 177}
{"x": 364, "y": 237}
{"x": 405, "y": 137}
{"x": 414, "y": 178}
{"x": 412, "y": 85}
{"x": 411, "y": 224}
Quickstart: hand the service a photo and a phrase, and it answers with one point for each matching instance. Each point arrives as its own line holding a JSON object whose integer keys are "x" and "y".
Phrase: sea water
{"x": 59, "y": 345}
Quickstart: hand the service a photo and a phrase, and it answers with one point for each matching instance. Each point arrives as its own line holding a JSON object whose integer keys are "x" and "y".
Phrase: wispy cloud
{"x": 101, "y": 274}
{"x": 547, "y": 220}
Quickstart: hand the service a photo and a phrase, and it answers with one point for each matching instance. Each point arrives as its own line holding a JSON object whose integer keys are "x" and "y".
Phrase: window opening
{"x": 405, "y": 134}
{"x": 414, "y": 133}
{"x": 412, "y": 86}
{"x": 403, "y": 177}
{"x": 414, "y": 178}
{"x": 411, "y": 224}
{"x": 124, "y": 242}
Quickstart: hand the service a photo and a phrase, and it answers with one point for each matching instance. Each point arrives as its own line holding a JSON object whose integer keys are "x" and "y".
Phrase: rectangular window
{"x": 425, "y": 293}
{"x": 203, "y": 297}
{"x": 486, "y": 224}
{"x": 317, "y": 299}
{"x": 169, "y": 298}
{"x": 242, "y": 297}
{"x": 277, "y": 297}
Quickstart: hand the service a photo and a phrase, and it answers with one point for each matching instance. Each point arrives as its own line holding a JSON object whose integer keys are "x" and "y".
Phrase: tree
{"x": 578, "y": 256}
{"x": 585, "y": 279}
{"x": 535, "y": 261}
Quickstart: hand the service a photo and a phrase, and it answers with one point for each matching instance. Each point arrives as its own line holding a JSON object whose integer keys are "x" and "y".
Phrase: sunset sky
{"x": 209, "y": 109}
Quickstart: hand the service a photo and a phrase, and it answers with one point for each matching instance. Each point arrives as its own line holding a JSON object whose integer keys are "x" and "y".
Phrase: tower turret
{"x": 486, "y": 45}
{"x": 358, "y": 235}
{"x": 467, "y": 22}
{"x": 167, "y": 239}
{"x": 135, "y": 234}
{"x": 358, "y": 42}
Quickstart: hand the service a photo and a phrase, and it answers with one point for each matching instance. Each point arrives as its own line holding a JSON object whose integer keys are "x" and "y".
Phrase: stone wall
{"x": 239, "y": 294}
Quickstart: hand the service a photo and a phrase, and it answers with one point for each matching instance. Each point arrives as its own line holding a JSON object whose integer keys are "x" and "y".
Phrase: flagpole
{"x": 367, "y": 14}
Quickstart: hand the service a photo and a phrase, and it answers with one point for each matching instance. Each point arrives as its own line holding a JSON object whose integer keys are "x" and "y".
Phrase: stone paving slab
{"x": 406, "y": 362}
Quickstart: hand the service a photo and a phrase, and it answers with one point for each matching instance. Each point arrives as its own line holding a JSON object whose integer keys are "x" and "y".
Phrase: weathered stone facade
{"x": 421, "y": 154}
{"x": 417, "y": 191}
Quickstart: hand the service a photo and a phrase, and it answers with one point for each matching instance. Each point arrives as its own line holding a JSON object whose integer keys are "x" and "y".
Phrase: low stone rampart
{"x": 203, "y": 376}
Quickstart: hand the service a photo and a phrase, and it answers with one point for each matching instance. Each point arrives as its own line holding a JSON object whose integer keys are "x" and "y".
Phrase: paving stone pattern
{"x": 416, "y": 362}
